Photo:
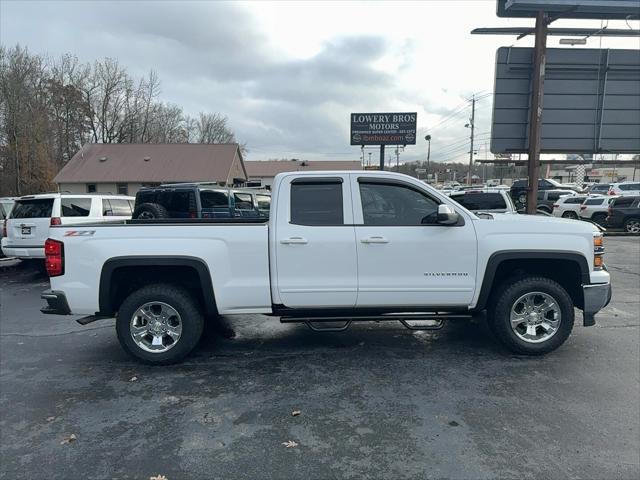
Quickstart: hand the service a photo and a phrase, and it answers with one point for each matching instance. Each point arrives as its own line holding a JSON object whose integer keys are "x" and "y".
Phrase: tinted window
{"x": 392, "y": 204}
{"x": 213, "y": 199}
{"x": 3, "y": 214}
{"x": 75, "y": 207}
{"x": 316, "y": 204}
{"x": 40, "y": 208}
{"x": 573, "y": 200}
{"x": 593, "y": 201}
{"x": 175, "y": 201}
{"x": 600, "y": 187}
{"x": 553, "y": 196}
{"x": 630, "y": 186}
{"x": 481, "y": 201}
{"x": 145, "y": 197}
{"x": 264, "y": 202}
{"x": 116, "y": 207}
{"x": 243, "y": 201}
{"x": 623, "y": 201}
{"x": 540, "y": 195}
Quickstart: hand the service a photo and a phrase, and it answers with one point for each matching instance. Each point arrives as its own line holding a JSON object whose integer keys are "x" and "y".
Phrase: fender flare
{"x": 206, "y": 284}
{"x": 497, "y": 258}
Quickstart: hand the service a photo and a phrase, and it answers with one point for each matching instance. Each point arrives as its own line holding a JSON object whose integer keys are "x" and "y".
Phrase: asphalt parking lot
{"x": 377, "y": 401}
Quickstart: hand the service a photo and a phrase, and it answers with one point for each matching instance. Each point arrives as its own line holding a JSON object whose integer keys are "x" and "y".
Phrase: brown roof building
{"x": 124, "y": 168}
{"x": 264, "y": 171}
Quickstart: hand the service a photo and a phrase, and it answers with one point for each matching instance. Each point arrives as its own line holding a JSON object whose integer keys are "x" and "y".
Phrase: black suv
{"x": 200, "y": 201}
{"x": 519, "y": 188}
{"x": 625, "y": 212}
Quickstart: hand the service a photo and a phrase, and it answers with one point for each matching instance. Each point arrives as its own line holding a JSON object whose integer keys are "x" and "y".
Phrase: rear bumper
{"x": 18, "y": 251}
{"x": 596, "y": 297}
{"x": 56, "y": 303}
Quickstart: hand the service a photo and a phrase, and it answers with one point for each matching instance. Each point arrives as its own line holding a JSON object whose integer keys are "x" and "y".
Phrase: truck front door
{"x": 404, "y": 257}
{"x": 315, "y": 252}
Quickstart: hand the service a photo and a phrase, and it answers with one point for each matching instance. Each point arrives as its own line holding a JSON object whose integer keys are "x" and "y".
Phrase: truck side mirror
{"x": 447, "y": 215}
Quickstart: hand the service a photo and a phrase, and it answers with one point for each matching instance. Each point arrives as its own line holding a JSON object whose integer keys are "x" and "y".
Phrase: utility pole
{"x": 381, "y": 157}
{"x": 369, "y": 164}
{"x": 472, "y": 127}
{"x": 397, "y": 158}
{"x": 535, "y": 112}
{"x": 428, "y": 139}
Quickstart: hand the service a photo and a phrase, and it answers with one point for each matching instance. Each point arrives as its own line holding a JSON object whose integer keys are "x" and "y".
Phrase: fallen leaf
{"x": 453, "y": 423}
{"x": 133, "y": 379}
{"x": 50, "y": 419}
{"x": 158, "y": 477}
{"x": 69, "y": 439}
{"x": 295, "y": 413}
{"x": 290, "y": 444}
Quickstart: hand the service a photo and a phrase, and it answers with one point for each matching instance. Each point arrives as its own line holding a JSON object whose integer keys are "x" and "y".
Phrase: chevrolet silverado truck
{"x": 338, "y": 247}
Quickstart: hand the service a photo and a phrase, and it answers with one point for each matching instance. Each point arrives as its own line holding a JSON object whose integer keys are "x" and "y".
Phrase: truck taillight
{"x": 611, "y": 192}
{"x": 555, "y": 205}
{"x": 55, "y": 221}
{"x": 4, "y": 228}
{"x": 54, "y": 257}
{"x": 610, "y": 211}
{"x": 582, "y": 207}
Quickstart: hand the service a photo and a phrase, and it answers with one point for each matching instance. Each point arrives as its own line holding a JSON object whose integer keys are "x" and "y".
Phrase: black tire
{"x": 632, "y": 225}
{"x": 177, "y": 298}
{"x": 600, "y": 218}
{"x": 149, "y": 211}
{"x": 570, "y": 214}
{"x": 506, "y": 295}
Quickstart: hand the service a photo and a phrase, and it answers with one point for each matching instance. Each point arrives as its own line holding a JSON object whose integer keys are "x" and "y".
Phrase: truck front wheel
{"x": 531, "y": 316}
{"x": 159, "y": 324}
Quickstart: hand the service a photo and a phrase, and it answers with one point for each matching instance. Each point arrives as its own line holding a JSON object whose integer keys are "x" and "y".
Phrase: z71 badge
{"x": 79, "y": 233}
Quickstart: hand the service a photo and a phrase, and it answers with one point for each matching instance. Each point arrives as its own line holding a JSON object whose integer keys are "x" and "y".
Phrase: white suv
{"x": 27, "y": 227}
{"x": 596, "y": 209}
{"x": 625, "y": 188}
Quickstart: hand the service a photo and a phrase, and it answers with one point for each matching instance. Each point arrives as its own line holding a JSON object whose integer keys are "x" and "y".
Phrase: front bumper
{"x": 56, "y": 303}
{"x": 596, "y": 297}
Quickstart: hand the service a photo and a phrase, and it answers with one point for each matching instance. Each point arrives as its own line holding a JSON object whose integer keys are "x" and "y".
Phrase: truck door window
{"x": 395, "y": 205}
{"x": 316, "y": 203}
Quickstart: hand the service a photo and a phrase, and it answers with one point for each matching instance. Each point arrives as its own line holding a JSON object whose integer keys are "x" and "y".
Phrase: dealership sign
{"x": 383, "y": 128}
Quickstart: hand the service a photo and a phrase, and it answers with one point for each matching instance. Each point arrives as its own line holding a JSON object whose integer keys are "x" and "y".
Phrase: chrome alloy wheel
{"x": 535, "y": 317}
{"x": 633, "y": 226}
{"x": 156, "y": 327}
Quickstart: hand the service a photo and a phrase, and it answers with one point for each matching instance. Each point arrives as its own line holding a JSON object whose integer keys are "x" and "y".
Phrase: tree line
{"x": 50, "y": 107}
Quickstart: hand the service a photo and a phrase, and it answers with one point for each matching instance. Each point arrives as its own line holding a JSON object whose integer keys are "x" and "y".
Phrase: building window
{"x": 91, "y": 188}
{"x": 123, "y": 189}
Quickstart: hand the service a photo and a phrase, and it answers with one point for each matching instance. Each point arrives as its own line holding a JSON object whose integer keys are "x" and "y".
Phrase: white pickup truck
{"x": 338, "y": 247}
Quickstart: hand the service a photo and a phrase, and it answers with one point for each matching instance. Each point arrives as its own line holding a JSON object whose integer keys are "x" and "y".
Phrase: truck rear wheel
{"x": 159, "y": 324}
{"x": 531, "y": 316}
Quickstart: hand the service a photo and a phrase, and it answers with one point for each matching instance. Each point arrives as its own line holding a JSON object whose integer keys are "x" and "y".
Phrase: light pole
{"x": 428, "y": 139}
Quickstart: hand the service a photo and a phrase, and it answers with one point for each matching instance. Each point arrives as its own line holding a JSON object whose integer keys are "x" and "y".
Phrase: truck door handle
{"x": 294, "y": 241}
{"x": 375, "y": 239}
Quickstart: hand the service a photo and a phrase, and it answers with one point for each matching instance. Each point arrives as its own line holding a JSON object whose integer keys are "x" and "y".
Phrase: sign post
{"x": 383, "y": 129}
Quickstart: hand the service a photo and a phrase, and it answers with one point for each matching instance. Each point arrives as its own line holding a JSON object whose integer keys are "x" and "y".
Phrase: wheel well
{"x": 567, "y": 273}
{"x": 119, "y": 281}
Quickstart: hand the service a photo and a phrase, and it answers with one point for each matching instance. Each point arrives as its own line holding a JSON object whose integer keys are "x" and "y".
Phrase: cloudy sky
{"x": 288, "y": 74}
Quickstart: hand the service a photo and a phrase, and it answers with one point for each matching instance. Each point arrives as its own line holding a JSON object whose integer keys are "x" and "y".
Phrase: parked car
{"x": 338, "y": 246}
{"x": 547, "y": 198}
{"x": 27, "y": 227}
{"x": 568, "y": 206}
{"x": 200, "y": 200}
{"x": 489, "y": 200}
{"x": 6, "y": 204}
{"x": 624, "y": 212}
{"x": 596, "y": 209}
{"x": 625, "y": 188}
{"x": 599, "y": 188}
{"x": 519, "y": 189}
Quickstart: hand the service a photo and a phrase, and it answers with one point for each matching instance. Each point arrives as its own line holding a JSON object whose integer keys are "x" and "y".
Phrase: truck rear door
{"x": 315, "y": 253}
